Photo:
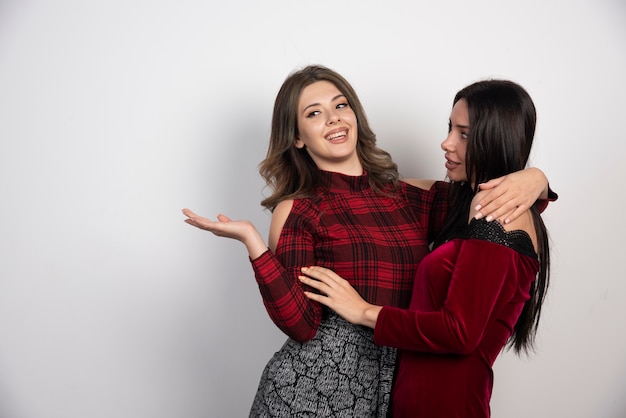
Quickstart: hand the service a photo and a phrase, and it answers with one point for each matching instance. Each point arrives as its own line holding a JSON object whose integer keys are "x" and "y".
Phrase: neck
{"x": 347, "y": 168}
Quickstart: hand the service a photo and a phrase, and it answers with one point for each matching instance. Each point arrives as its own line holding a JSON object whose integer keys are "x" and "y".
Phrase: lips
{"x": 451, "y": 165}
{"x": 337, "y": 134}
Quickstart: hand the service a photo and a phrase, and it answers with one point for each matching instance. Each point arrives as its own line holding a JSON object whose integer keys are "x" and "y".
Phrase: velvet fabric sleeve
{"x": 483, "y": 275}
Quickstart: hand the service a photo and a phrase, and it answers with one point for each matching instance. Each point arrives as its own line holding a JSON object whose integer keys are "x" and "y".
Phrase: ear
{"x": 299, "y": 143}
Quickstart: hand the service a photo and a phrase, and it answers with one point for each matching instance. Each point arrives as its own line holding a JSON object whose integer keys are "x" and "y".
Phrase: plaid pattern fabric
{"x": 375, "y": 242}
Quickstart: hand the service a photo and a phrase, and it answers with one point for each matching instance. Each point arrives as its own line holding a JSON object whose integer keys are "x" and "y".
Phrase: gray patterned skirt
{"x": 339, "y": 373}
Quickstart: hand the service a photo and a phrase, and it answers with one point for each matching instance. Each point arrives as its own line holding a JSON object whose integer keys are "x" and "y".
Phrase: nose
{"x": 448, "y": 144}
{"x": 333, "y": 117}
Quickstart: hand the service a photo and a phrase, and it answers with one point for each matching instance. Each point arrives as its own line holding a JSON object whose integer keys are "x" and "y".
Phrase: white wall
{"x": 115, "y": 115}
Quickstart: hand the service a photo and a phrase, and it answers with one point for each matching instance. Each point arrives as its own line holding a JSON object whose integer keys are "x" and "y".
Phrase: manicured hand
{"x": 339, "y": 295}
{"x": 509, "y": 196}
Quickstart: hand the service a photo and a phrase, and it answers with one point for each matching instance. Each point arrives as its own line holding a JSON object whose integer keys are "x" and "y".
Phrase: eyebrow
{"x": 317, "y": 104}
{"x": 458, "y": 125}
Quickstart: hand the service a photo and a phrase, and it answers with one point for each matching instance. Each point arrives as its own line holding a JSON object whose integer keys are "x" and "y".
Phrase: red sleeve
{"x": 542, "y": 204}
{"x": 277, "y": 277}
{"x": 430, "y": 206}
{"x": 483, "y": 280}
{"x": 439, "y": 209}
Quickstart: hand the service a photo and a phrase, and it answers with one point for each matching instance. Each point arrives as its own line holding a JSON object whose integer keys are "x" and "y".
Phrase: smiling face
{"x": 455, "y": 145}
{"x": 327, "y": 129}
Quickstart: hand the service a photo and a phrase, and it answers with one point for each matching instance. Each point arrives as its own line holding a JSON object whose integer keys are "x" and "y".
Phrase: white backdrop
{"x": 115, "y": 115}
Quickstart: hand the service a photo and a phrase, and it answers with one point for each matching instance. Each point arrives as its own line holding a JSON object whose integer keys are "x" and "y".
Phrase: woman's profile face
{"x": 455, "y": 144}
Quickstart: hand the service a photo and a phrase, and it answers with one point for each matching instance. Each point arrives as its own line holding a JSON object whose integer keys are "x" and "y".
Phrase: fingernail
{"x": 489, "y": 218}
{"x": 478, "y": 207}
{"x": 506, "y": 221}
{"x": 478, "y": 215}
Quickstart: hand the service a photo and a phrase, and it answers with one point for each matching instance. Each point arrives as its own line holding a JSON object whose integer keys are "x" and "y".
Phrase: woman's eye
{"x": 313, "y": 113}
{"x": 464, "y": 135}
{"x": 342, "y": 105}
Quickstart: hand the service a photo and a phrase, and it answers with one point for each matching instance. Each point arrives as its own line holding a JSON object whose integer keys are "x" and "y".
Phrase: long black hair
{"x": 502, "y": 120}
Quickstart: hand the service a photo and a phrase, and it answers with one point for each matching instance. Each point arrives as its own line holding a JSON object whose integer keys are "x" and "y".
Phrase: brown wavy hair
{"x": 290, "y": 172}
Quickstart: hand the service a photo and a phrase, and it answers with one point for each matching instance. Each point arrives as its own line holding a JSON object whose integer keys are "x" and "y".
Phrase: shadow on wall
{"x": 239, "y": 338}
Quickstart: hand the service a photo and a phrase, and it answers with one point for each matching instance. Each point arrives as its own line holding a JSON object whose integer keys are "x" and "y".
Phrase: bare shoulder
{"x": 420, "y": 183}
{"x": 523, "y": 223}
{"x": 279, "y": 216}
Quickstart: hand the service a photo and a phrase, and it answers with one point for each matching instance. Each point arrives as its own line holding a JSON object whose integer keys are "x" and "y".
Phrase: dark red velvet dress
{"x": 467, "y": 296}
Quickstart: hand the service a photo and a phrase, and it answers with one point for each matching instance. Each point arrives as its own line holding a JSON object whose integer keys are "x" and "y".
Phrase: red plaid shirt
{"x": 375, "y": 242}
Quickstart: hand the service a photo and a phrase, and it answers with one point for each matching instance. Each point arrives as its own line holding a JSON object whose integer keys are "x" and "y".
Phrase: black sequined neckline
{"x": 493, "y": 231}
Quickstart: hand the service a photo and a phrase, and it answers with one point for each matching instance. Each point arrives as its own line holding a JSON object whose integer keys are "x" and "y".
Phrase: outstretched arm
{"x": 276, "y": 275}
